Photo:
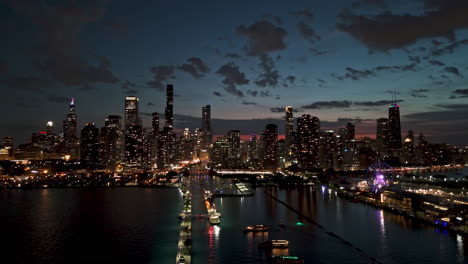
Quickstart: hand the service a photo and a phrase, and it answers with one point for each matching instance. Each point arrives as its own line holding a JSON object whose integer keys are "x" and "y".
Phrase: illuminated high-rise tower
{"x": 308, "y": 135}
{"x": 89, "y": 146}
{"x": 169, "y": 113}
{"x": 69, "y": 126}
{"x": 270, "y": 160}
{"x": 382, "y": 137}
{"x": 289, "y": 125}
{"x": 131, "y": 112}
{"x": 206, "y": 124}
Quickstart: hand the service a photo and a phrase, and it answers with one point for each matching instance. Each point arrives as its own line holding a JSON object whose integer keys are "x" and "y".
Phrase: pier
{"x": 184, "y": 246}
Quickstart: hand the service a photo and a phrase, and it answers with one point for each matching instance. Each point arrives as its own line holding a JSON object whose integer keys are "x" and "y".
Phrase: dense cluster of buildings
{"x": 127, "y": 145}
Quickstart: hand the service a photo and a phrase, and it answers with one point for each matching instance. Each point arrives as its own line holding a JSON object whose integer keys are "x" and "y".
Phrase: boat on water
{"x": 274, "y": 244}
{"x": 287, "y": 260}
{"x": 256, "y": 228}
{"x": 281, "y": 224}
{"x": 214, "y": 220}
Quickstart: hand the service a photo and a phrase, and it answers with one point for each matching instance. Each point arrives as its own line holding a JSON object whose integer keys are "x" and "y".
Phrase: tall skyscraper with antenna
{"x": 394, "y": 126}
{"x": 69, "y": 127}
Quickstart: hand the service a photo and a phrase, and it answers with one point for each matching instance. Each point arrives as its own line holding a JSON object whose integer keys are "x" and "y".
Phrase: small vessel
{"x": 256, "y": 228}
{"x": 214, "y": 220}
{"x": 274, "y": 244}
{"x": 281, "y": 224}
{"x": 287, "y": 260}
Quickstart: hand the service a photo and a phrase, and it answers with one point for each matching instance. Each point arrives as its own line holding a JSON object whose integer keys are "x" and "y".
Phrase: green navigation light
{"x": 299, "y": 224}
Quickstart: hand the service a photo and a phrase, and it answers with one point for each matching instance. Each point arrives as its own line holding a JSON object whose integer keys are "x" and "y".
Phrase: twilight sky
{"x": 338, "y": 60}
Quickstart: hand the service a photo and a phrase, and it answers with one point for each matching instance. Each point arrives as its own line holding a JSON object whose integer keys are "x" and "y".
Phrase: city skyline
{"x": 331, "y": 62}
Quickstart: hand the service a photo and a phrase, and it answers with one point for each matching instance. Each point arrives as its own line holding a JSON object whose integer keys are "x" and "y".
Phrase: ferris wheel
{"x": 379, "y": 175}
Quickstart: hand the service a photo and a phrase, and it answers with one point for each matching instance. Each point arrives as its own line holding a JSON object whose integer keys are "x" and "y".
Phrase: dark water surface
{"x": 103, "y": 225}
{"x": 135, "y": 225}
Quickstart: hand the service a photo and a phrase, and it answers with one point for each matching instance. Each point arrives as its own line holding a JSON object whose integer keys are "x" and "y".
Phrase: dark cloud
{"x": 436, "y": 63}
{"x": 195, "y": 67}
{"x": 215, "y": 93}
{"x": 414, "y": 59}
{"x": 248, "y": 103}
{"x": 386, "y": 31}
{"x": 263, "y": 37}
{"x": 127, "y": 85}
{"x": 419, "y": 93}
{"x": 232, "y": 77}
{"x": 233, "y": 56}
{"x": 369, "y": 3}
{"x": 269, "y": 76}
{"x": 3, "y": 67}
{"x": 59, "y": 26}
{"x": 273, "y": 18}
{"x": 355, "y": 74}
{"x": 435, "y": 116}
{"x": 459, "y": 93}
{"x": 328, "y": 105}
{"x": 252, "y": 93}
{"x": 453, "y": 106}
{"x": 453, "y": 70}
{"x": 58, "y": 99}
{"x": 31, "y": 84}
{"x": 118, "y": 28}
{"x": 307, "y": 32}
{"x": 376, "y": 103}
{"x": 317, "y": 52}
{"x": 150, "y": 104}
{"x": 450, "y": 48}
{"x": 304, "y": 13}
{"x": 87, "y": 87}
{"x": 161, "y": 74}
{"x": 282, "y": 110}
{"x": 291, "y": 79}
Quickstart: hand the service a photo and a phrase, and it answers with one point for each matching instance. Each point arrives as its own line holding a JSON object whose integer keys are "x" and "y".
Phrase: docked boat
{"x": 287, "y": 260}
{"x": 256, "y": 228}
{"x": 214, "y": 220}
{"x": 274, "y": 244}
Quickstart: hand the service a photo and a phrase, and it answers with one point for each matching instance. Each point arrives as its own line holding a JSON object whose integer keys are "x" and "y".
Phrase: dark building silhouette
{"x": 394, "y": 128}
{"x": 270, "y": 160}
{"x": 308, "y": 129}
{"x": 89, "y": 147}
{"x": 382, "y": 137}
{"x": 206, "y": 125}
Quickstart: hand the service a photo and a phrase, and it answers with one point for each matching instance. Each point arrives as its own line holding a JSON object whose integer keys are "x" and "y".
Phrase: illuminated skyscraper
{"x": 206, "y": 124}
{"x": 89, "y": 147}
{"x": 131, "y": 112}
{"x": 69, "y": 127}
{"x": 382, "y": 137}
{"x": 169, "y": 112}
{"x": 308, "y": 129}
{"x": 270, "y": 160}
{"x": 134, "y": 146}
{"x": 289, "y": 125}
{"x": 408, "y": 155}
{"x": 154, "y": 138}
{"x": 394, "y": 129}
{"x": 112, "y": 142}
{"x": 233, "y": 138}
